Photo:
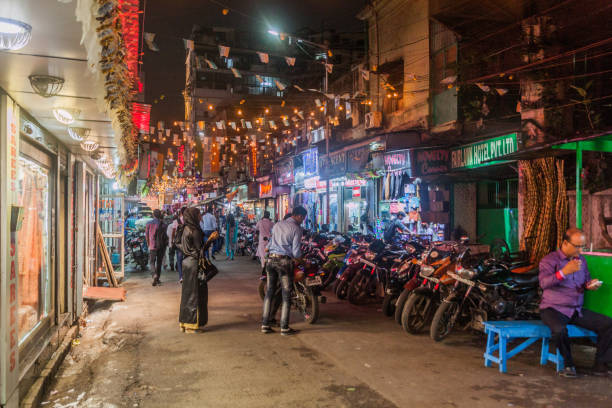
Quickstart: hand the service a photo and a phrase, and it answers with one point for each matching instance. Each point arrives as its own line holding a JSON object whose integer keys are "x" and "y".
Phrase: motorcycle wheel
{"x": 388, "y": 306}
{"x": 399, "y": 305}
{"x": 342, "y": 289}
{"x": 357, "y": 289}
{"x": 307, "y": 303}
{"x": 417, "y": 312}
{"x": 330, "y": 278}
{"x": 443, "y": 321}
{"x": 262, "y": 289}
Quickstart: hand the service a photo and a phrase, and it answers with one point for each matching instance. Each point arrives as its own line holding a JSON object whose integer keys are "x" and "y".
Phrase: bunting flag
{"x": 449, "y": 80}
{"x": 345, "y": 96}
{"x": 201, "y": 125}
{"x": 280, "y": 85}
{"x": 220, "y": 125}
{"x": 283, "y": 103}
{"x": 151, "y": 129}
{"x": 167, "y": 132}
{"x": 233, "y": 125}
{"x": 290, "y": 61}
{"x": 259, "y": 78}
{"x": 248, "y": 124}
{"x": 365, "y": 74}
{"x": 285, "y": 122}
{"x": 150, "y": 40}
{"x": 298, "y": 88}
{"x": 318, "y": 102}
{"x": 272, "y": 124}
{"x": 411, "y": 77}
{"x": 210, "y": 64}
{"x": 301, "y": 114}
{"x": 330, "y": 96}
{"x": 501, "y": 91}
{"x": 263, "y": 57}
{"x": 160, "y": 124}
{"x": 329, "y": 68}
{"x": 483, "y": 87}
{"x": 236, "y": 73}
{"x": 224, "y": 51}
{"x": 243, "y": 122}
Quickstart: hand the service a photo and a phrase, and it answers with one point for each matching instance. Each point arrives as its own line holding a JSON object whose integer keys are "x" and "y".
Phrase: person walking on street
{"x": 264, "y": 228}
{"x": 231, "y": 236}
{"x": 193, "y": 313}
{"x": 171, "y": 247}
{"x": 208, "y": 226}
{"x": 157, "y": 240}
{"x": 284, "y": 247}
{"x": 564, "y": 276}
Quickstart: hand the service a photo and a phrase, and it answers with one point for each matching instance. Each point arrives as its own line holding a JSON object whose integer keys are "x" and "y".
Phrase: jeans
{"x": 207, "y": 235}
{"x": 156, "y": 257}
{"x": 278, "y": 270}
{"x": 600, "y": 324}
{"x": 171, "y": 252}
{"x": 179, "y": 263}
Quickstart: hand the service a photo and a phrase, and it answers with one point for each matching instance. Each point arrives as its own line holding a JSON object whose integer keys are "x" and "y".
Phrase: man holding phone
{"x": 563, "y": 277}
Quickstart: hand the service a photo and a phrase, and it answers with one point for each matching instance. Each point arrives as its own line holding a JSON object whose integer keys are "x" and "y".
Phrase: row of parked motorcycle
{"x": 423, "y": 285}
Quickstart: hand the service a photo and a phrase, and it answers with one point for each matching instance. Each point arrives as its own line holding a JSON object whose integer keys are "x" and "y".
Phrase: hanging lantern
{"x": 89, "y": 145}
{"x": 79, "y": 133}
{"x": 14, "y": 34}
{"x": 66, "y": 115}
{"x": 46, "y": 85}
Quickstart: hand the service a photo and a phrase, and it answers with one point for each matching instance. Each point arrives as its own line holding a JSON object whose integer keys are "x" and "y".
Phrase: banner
{"x": 398, "y": 160}
{"x": 332, "y": 165}
{"x": 310, "y": 159}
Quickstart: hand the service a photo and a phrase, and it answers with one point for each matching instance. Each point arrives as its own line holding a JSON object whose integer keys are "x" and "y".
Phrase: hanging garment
{"x": 387, "y": 180}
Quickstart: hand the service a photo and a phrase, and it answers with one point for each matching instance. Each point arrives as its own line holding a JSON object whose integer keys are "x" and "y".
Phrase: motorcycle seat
{"x": 524, "y": 279}
{"x": 526, "y": 270}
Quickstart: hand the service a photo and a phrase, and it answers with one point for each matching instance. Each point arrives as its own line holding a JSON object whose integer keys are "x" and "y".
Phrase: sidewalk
{"x": 132, "y": 354}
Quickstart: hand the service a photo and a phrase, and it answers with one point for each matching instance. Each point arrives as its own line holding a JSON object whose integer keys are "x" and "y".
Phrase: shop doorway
{"x": 497, "y": 212}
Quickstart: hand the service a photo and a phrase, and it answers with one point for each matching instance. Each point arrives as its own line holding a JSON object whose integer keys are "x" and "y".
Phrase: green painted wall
{"x": 498, "y": 223}
{"x": 600, "y": 301}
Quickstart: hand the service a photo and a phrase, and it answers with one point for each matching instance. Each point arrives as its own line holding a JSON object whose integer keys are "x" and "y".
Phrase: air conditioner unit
{"x": 373, "y": 120}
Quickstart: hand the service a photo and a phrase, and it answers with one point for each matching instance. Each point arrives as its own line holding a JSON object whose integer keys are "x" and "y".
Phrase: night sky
{"x": 172, "y": 20}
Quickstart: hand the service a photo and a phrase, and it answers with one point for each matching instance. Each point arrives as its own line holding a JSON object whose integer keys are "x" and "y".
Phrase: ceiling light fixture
{"x": 66, "y": 115}
{"x": 14, "y": 34}
{"x": 46, "y": 85}
{"x": 79, "y": 133}
{"x": 89, "y": 145}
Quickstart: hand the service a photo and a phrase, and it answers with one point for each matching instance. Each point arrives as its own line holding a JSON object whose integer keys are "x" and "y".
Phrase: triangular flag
{"x": 318, "y": 102}
{"x": 272, "y": 124}
{"x": 501, "y": 91}
{"x": 242, "y": 122}
{"x": 298, "y": 88}
{"x": 483, "y": 87}
{"x": 449, "y": 80}
{"x": 236, "y": 73}
{"x": 263, "y": 57}
{"x": 365, "y": 74}
{"x": 224, "y": 51}
{"x": 301, "y": 114}
{"x": 329, "y": 96}
{"x": 290, "y": 61}
{"x": 220, "y": 125}
{"x": 233, "y": 125}
{"x": 280, "y": 85}
{"x": 210, "y": 64}
{"x": 149, "y": 39}
{"x": 249, "y": 125}
{"x": 285, "y": 122}
{"x": 410, "y": 77}
{"x": 259, "y": 78}
{"x": 329, "y": 68}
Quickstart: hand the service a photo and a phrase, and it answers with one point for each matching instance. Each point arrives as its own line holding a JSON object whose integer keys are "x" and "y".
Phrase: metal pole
{"x": 578, "y": 185}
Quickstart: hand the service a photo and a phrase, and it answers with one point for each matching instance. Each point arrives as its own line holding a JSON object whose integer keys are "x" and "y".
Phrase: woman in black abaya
{"x": 193, "y": 314}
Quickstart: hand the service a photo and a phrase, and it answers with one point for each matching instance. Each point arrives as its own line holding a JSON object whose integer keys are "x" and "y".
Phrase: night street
{"x": 132, "y": 354}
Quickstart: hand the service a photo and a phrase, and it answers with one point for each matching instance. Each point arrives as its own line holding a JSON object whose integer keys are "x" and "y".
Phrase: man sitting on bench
{"x": 563, "y": 277}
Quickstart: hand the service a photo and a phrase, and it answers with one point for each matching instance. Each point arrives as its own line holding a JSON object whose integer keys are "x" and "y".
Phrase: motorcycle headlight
{"x": 427, "y": 270}
{"x": 466, "y": 273}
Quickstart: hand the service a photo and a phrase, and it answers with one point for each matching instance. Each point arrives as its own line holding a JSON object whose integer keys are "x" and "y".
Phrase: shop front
{"x": 284, "y": 181}
{"x": 360, "y": 197}
{"x": 306, "y": 168}
{"x": 332, "y": 168}
{"x": 494, "y": 189}
{"x": 266, "y": 198}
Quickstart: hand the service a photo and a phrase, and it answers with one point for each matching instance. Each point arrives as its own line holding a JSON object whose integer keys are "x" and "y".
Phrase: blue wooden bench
{"x": 530, "y": 330}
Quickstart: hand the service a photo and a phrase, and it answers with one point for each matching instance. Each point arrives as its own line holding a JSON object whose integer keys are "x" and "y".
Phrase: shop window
{"x": 498, "y": 194}
{"x": 33, "y": 246}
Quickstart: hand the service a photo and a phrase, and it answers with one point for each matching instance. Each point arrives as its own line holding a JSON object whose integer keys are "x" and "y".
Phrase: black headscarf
{"x": 193, "y": 237}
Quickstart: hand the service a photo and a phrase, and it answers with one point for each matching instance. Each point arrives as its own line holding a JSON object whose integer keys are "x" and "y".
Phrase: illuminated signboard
{"x": 483, "y": 153}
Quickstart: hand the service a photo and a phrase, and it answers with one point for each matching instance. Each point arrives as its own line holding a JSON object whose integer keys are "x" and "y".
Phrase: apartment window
{"x": 392, "y": 86}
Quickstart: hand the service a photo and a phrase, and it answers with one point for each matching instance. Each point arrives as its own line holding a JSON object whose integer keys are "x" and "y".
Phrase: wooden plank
{"x": 110, "y": 272}
{"x": 102, "y": 293}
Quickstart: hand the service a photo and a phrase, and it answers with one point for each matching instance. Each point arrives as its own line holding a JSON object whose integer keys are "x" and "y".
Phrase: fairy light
{"x": 210, "y": 107}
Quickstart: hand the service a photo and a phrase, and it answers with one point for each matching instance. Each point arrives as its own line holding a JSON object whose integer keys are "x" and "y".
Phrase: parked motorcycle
{"x": 401, "y": 275}
{"x": 352, "y": 264}
{"x": 303, "y": 297}
{"x": 136, "y": 249}
{"x": 486, "y": 289}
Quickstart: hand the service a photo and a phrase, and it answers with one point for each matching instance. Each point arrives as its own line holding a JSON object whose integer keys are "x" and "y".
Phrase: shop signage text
{"x": 333, "y": 164}
{"x": 473, "y": 155}
{"x": 265, "y": 189}
{"x": 311, "y": 162}
{"x": 357, "y": 159}
{"x": 397, "y": 160}
{"x": 432, "y": 161}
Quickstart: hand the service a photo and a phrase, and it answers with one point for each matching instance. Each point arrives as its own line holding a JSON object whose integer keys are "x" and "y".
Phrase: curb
{"x": 36, "y": 391}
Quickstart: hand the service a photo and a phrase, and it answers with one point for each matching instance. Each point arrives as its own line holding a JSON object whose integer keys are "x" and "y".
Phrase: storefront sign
{"x": 355, "y": 183}
{"x": 357, "y": 159}
{"x": 310, "y": 160}
{"x": 9, "y": 330}
{"x": 434, "y": 161}
{"x": 265, "y": 189}
{"x": 356, "y": 192}
{"x": 284, "y": 172}
{"x": 397, "y": 160}
{"x": 332, "y": 165}
{"x": 483, "y": 153}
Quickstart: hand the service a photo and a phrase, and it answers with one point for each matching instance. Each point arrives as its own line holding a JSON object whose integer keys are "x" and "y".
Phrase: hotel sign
{"x": 483, "y": 153}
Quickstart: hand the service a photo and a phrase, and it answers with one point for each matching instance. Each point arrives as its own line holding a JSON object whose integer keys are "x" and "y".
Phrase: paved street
{"x": 132, "y": 354}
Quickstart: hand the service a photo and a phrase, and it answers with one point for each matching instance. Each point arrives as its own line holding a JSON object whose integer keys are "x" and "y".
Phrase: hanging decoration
{"x": 224, "y": 51}
{"x": 290, "y": 61}
{"x": 263, "y": 57}
{"x": 236, "y": 73}
{"x": 210, "y": 64}
{"x": 149, "y": 39}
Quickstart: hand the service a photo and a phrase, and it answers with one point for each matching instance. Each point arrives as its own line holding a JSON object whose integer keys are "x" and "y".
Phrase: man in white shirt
{"x": 208, "y": 225}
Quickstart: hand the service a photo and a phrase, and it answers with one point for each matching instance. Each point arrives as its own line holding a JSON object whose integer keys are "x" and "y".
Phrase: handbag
{"x": 206, "y": 269}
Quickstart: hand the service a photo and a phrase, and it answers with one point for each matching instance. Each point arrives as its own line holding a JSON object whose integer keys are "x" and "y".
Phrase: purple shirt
{"x": 566, "y": 295}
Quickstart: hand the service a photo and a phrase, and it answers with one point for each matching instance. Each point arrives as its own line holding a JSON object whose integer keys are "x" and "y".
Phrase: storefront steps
{"x": 37, "y": 389}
